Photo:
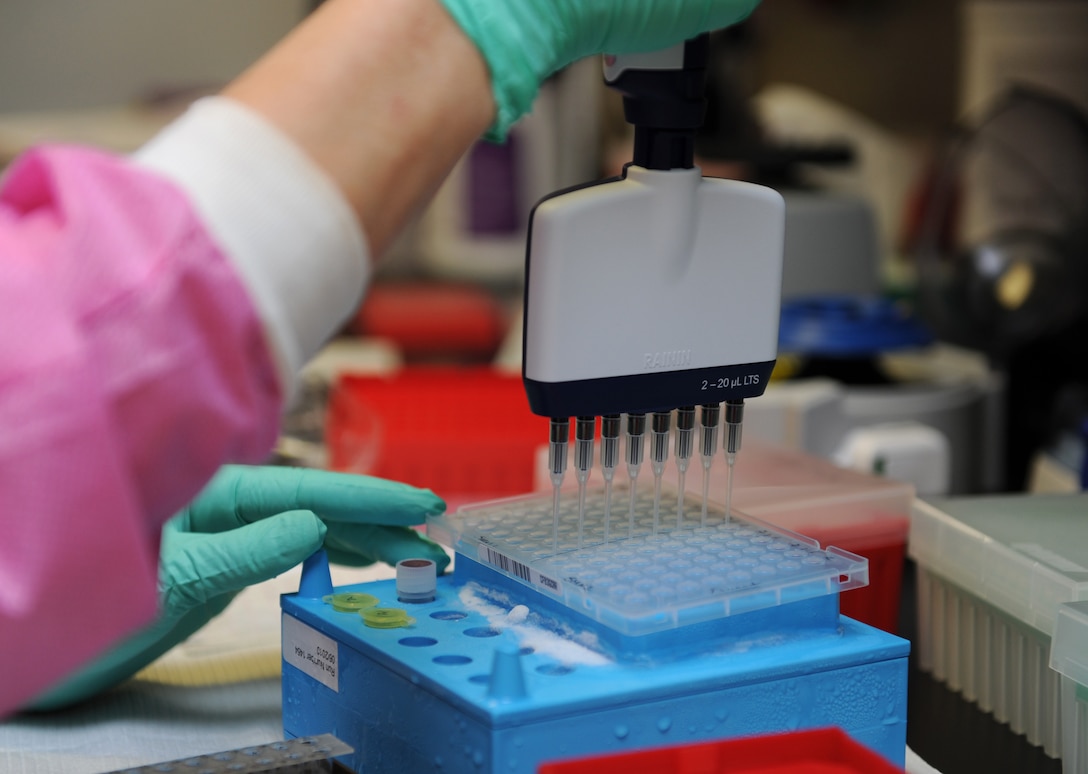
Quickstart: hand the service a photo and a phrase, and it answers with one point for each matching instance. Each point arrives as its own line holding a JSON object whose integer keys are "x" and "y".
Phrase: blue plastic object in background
{"x": 849, "y": 327}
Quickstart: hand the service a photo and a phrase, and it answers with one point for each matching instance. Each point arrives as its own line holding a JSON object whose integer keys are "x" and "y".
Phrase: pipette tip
{"x": 555, "y": 518}
{"x": 680, "y": 499}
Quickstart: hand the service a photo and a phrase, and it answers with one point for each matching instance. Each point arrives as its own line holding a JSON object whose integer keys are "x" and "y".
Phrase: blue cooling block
{"x": 461, "y": 691}
{"x": 565, "y": 639}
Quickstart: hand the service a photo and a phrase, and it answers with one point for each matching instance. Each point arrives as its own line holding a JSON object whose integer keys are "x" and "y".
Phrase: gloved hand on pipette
{"x": 525, "y": 41}
{"x": 251, "y": 524}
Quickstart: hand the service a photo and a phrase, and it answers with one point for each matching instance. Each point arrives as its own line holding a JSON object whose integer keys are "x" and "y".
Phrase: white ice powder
{"x": 569, "y": 648}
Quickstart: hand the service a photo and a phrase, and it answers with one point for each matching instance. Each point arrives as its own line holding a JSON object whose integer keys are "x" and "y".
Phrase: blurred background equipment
{"x": 868, "y": 388}
{"x": 1003, "y": 258}
{"x": 1003, "y": 243}
{"x": 456, "y": 322}
{"x": 860, "y": 381}
{"x": 475, "y": 228}
{"x": 477, "y": 440}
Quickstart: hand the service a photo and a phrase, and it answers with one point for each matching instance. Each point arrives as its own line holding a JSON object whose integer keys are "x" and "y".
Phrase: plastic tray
{"x": 992, "y": 575}
{"x": 820, "y": 751}
{"x": 638, "y": 577}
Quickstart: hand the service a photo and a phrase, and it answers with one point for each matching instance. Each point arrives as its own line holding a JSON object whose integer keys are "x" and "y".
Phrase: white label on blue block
{"x": 311, "y": 651}
{"x": 519, "y": 570}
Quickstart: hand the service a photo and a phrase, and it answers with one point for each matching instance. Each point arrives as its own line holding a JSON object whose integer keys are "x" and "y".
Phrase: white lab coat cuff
{"x": 284, "y": 225}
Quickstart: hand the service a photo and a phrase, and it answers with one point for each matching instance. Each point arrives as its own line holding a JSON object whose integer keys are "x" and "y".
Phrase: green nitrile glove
{"x": 525, "y": 41}
{"x": 251, "y": 524}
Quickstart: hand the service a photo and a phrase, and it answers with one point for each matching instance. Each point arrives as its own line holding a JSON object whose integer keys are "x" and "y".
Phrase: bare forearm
{"x": 383, "y": 96}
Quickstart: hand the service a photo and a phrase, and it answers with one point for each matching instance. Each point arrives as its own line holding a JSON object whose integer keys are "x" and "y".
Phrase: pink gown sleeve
{"x": 132, "y": 364}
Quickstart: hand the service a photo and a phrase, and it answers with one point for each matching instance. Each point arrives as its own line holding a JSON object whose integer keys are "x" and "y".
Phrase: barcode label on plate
{"x": 518, "y": 569}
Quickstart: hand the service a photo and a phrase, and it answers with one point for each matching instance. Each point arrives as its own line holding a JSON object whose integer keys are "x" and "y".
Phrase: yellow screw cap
{"x": 386, "y": 618}
{"x": 350, "y": 603}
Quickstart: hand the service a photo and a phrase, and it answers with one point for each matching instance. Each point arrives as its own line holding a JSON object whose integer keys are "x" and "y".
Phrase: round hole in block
{"x": 418, "y": 642}
{"x": 554, "y": 670}
{"x": 481, "y": 631}
{"x": 448, "y": 615}
{"x": 452, "y": 660}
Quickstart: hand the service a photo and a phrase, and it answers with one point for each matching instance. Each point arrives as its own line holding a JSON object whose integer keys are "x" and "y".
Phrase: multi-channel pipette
{"x": 693, "y": 270}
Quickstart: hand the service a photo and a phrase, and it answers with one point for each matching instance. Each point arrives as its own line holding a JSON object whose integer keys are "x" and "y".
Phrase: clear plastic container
{"x": 640, "y": 579}
{"x": 992, "y": 575}
{"x": 1069, "y": 658}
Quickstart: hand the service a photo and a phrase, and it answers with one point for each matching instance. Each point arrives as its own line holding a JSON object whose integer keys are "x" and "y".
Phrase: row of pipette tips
{"x": 585, "y": 433}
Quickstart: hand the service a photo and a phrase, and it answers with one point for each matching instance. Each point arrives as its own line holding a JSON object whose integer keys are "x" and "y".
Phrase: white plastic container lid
{"x": 1069, "y": 649}
{"x": 1023, "y": 554}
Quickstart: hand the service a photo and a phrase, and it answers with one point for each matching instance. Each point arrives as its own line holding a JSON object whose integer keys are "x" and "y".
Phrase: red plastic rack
{"x": 819, "y": 751}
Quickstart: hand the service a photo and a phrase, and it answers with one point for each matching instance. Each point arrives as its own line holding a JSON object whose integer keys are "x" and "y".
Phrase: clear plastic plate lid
{"x": 640, "y": 574}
